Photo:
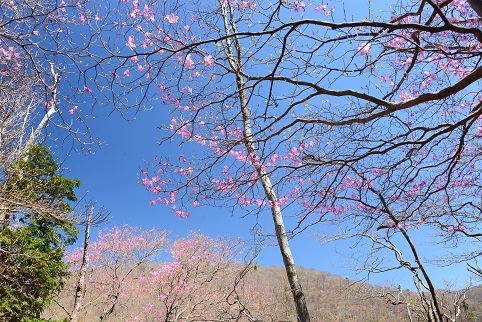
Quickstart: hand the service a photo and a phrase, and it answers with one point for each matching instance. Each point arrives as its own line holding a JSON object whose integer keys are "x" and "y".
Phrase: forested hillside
{"x": 267, "y": 297}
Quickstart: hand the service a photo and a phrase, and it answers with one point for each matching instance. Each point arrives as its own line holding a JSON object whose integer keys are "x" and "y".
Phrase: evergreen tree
{"x": 34, "y": 235}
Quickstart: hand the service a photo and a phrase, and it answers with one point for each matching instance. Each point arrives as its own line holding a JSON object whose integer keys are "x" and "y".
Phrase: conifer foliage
{"x": 34, "y": 234}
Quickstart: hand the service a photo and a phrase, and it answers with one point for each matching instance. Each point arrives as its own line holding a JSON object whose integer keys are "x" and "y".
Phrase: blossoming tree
{"x": 127, "y": 270}
{"x": 367, "y": 117}
{"x": 43, "y": 51}
{"x": 112, "y": 260}
{"x": 196, "y": 284}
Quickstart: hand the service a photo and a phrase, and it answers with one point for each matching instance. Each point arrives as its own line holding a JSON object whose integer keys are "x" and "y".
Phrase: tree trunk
{"x": 233, "y": 51}
{"x": 81, "y": 283}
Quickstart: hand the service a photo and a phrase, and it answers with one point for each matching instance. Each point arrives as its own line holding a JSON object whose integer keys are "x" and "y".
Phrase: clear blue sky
{"x": 111, "y": 177}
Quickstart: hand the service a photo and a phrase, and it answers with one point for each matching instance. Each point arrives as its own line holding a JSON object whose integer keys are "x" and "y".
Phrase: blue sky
{"x": 111, "y": 177}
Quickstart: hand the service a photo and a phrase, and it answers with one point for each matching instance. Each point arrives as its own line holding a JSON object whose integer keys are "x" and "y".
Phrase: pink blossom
{"x": 81, "y": 18}
{"x": 127, "y": 73}
{"x": 479, "y": 129}
{"x": 12, "y": 5}
{"x": 185, "y": 89}
{"x": 404, "y": 96}
{"x": 73, "y": 109}
{"x": 172, "y": 196}
{"x": 147, "y": 182}
{"x": 364, "y": 49}
{"x": 147, "y": 11}
{"x": 208, "y": 61}
{"x": 134, "y": 59}
{"x": 172, "y": 18}
{"x": 182, "y": 214}
{"x": 189, "y": 63}
{"x": 321, "y": 8}
{"x": 130, "y": 43}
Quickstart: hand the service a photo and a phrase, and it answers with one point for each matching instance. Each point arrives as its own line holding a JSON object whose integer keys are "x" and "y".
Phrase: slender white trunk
{"x": 51, "y": 109}
{"x": 233, "y": 51}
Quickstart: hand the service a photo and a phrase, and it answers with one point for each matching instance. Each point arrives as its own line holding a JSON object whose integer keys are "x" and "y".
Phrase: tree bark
{"x": 50, "y": 110}
{"x": 233, "y": 51}
{"x": 81, "y": 283}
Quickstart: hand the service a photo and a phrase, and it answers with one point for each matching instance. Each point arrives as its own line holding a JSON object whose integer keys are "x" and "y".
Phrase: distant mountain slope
{"x": 331, "y": 298}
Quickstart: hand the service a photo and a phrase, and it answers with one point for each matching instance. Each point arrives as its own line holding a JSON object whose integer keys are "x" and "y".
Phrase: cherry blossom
{"x": 188, "y": 62}
{"x": 172, "y": 18}
{"x": 208, "y": 61}
{"x": 364, "y": 49}
{"x": 131, "y": 42}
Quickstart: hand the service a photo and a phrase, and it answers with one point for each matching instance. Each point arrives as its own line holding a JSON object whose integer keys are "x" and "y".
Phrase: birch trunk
{"x": 233, "y": 51}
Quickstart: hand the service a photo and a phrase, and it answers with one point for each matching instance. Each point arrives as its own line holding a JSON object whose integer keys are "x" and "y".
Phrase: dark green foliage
{"x": 32, "y": 268}
{"x": 33, "y": 239}
{"x": 35, "y": 177}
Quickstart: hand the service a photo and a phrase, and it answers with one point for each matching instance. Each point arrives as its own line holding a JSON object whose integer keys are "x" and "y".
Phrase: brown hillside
{"x": 331, "y": 298}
